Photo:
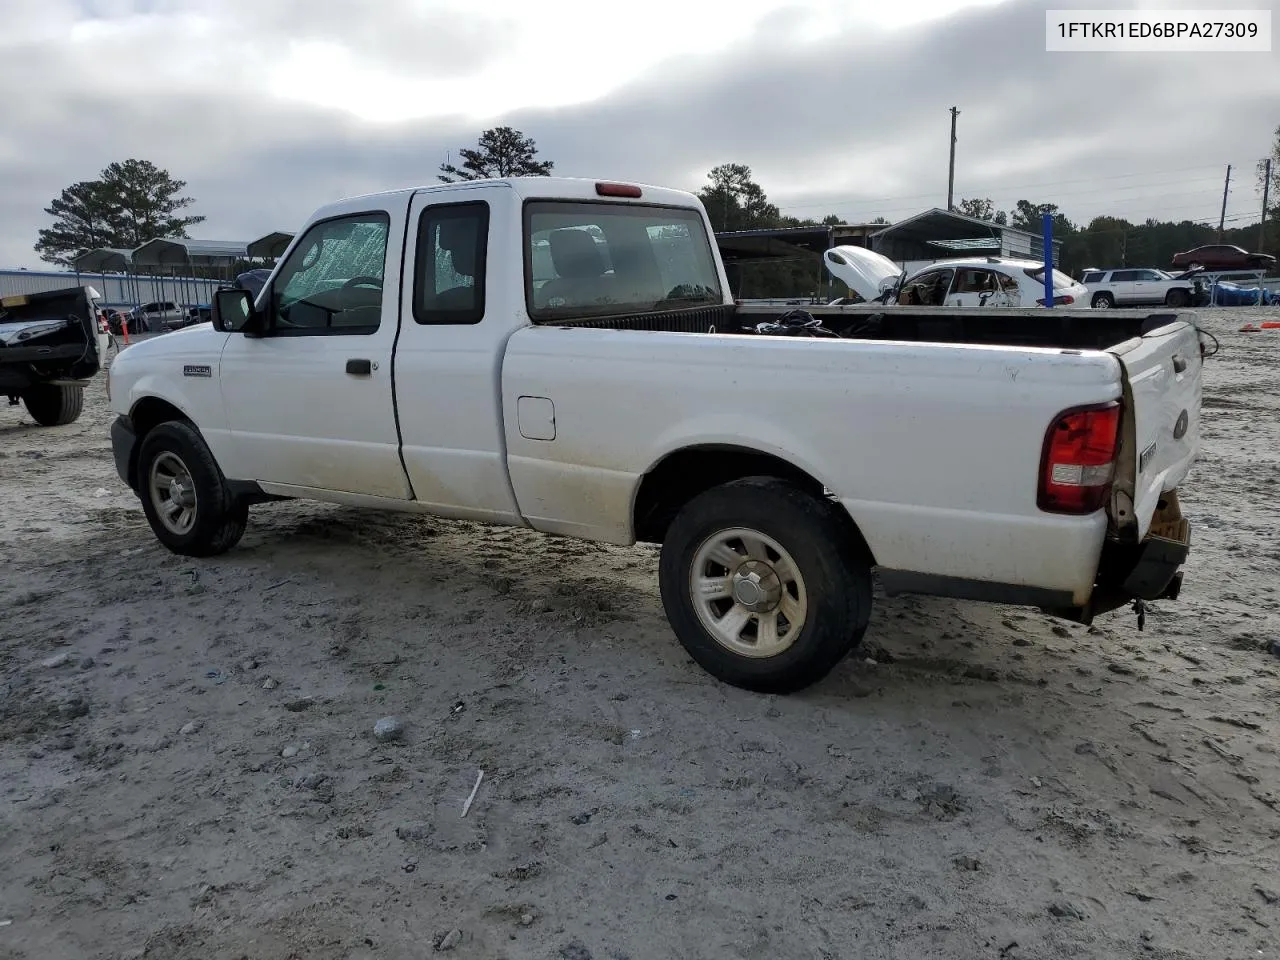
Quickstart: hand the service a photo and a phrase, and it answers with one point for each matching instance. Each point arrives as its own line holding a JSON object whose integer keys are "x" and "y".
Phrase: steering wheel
{"x": 363, "y": 282}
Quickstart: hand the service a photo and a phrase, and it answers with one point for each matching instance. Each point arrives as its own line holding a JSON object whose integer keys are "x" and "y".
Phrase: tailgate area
{"x": 1148, "y": 539}
{"x": 45, "y": 337}
{"x": 1161, "y": 439}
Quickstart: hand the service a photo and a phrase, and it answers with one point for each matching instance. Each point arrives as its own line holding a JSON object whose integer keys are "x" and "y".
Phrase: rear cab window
{"x": 591, "y": 258}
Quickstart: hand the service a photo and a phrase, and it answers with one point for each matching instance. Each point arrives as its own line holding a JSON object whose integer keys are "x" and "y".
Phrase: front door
{"x": 453, "y": 329}
{"x": 309, "y": 404}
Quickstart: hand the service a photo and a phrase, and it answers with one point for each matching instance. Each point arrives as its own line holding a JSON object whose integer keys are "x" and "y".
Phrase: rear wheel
{"x": 54, "y": 405}
{"x": 185, "y": 496}
{"x": 764, "y": 585}
{"x": 1177, "y": 298}
{"x": 1103, "y": 301}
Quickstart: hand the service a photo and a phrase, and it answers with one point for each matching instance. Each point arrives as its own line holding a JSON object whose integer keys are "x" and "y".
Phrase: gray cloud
{"x": 854, "y": 124}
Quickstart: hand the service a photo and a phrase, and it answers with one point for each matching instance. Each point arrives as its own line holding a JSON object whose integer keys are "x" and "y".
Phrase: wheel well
{"x": 683, "y": 475}
{"x": 147, "y": 414}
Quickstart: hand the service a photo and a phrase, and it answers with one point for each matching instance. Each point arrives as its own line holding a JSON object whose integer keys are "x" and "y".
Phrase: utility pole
{"x": 1266, "y": 188}
{"x": 951, "y": 173}
{"x": 1222, "y": 220}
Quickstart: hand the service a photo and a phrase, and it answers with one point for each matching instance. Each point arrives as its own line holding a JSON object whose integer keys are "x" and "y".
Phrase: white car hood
{"x": 864, "y": 271}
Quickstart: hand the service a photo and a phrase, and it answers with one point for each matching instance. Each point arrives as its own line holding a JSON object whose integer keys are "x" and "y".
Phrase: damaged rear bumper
{"x": 1150, "y": 570}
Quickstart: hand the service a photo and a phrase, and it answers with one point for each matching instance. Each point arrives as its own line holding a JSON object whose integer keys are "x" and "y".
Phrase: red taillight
{"x": 1057, "y": 301}
{"x": 617, "y": 190}
{"x": 1078, "y": 464}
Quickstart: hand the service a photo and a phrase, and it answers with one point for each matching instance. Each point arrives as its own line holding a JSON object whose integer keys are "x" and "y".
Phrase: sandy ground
{"x": 188, "y": 769}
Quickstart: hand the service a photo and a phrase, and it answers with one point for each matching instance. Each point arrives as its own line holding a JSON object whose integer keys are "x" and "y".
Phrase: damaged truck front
{"x": 51, "y": 345}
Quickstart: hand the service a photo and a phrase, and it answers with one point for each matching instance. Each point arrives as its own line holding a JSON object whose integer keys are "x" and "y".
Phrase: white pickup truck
{"x": 565, "y": 355}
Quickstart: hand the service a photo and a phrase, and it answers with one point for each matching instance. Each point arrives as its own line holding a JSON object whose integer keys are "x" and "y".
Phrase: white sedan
{"x": 970, "y": 282}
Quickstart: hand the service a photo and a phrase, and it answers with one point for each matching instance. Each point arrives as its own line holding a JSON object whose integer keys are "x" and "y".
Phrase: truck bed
{"x": 1068, "y": 329}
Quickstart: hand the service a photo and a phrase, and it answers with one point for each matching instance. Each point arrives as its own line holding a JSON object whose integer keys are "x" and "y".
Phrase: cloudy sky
{"x": 269, "y": 108}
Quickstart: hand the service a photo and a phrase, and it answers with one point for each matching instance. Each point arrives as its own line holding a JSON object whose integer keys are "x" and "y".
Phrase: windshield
{"x": 1060, "y": 280}
{"x": 589, "y": 259}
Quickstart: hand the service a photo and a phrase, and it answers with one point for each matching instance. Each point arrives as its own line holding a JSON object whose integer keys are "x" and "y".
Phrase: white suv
{"x": 1134, "y": 287}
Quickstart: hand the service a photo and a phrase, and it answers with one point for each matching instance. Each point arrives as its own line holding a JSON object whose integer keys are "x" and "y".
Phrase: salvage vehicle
{"x": 408, "y": 354}
{"x": 1222, "y": 256}
{"x": 962, "y": 282}
{"x": 1138, "y": 287}
{"x": 51, "y": 345}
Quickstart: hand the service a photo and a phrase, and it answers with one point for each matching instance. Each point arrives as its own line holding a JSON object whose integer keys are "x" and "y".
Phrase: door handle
{"x": 359, "y": 368}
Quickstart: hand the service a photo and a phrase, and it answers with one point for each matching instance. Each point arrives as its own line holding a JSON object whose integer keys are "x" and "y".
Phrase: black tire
{"x": 54, "y": 405}
{"x": 1103, "y": 301}
{"x": 217, "y": 518}
{"x": 1177, "y": 298}
{"x": 833, "y": 569}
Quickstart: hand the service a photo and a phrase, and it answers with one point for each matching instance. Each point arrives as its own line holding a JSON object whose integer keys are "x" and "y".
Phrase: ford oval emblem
{"x": 1180, "y": 428}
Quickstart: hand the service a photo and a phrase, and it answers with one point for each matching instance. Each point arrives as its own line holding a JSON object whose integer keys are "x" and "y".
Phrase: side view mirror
{"x": 983, "y": 298}
{"x": 233, "y": 312}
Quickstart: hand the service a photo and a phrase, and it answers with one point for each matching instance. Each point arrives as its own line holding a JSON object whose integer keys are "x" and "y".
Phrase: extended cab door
{"x": 1161, "y": 435}
{"x": 463, "y": 297}
{"x": 309, "y": 403}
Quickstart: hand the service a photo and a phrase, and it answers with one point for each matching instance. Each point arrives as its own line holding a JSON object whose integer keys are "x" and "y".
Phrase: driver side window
{"x": 332, "y": 281}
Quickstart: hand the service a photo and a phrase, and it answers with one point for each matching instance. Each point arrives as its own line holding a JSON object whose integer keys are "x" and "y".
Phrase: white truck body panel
{"x": 623, "y": 400}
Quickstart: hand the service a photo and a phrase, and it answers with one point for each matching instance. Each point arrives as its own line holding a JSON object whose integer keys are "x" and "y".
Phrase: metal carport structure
{"x": 270, "y": 247}
{"x": 104, "y": 260}
{"x": 939, "y": 234}
{"x": 172, "y": 254}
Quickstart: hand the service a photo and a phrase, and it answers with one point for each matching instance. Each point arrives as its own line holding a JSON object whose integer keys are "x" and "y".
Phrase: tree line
{"x": 134, "y": 201}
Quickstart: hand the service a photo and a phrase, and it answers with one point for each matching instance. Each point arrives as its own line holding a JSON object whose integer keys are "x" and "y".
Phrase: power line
{"x": 879, "y": 206}
{"x": 1133, "y": 228}
{"x": 1015, "y": 186}
{"x": 1164, "y": 212}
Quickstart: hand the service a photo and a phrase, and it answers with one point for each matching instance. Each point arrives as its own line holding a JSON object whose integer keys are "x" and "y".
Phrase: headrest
{"x": 458, "y": 239}
{"x": 574, "y": 254}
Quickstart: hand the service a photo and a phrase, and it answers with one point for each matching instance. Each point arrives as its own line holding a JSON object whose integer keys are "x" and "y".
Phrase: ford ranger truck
{"x": 566, "y": 355}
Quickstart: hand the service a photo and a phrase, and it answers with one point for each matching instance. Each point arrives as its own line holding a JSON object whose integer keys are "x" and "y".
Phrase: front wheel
{"x": 1103, "y": 301}
{"x": 764, "y": 585}
{"x": 1177, "y": 298}
{"x": 184, "y": 495}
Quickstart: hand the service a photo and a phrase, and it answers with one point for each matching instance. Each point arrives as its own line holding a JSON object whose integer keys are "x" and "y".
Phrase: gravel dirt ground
{"x": 188, "y": 766}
